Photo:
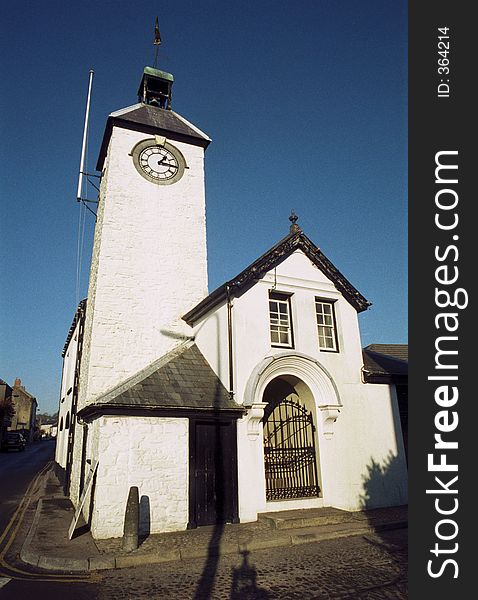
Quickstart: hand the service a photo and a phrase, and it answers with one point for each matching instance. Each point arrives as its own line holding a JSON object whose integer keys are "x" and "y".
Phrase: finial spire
{"x": 157, "y": 41}
{"x": 294, "y": 228}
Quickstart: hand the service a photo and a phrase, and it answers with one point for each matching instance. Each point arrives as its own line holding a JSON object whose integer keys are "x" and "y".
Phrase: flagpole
{"x": 85, "y": 137}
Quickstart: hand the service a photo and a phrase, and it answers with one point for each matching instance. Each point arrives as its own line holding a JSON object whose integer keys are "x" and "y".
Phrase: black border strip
{"x": 441, "y": 120}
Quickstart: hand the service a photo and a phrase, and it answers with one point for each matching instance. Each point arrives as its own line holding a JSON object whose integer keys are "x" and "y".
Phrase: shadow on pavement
{"x": 244, "y": 582}
{"x": 208, "y": 576}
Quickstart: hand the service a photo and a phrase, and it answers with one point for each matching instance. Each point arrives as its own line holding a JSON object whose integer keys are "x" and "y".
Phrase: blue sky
{"x": 306, "y": 103}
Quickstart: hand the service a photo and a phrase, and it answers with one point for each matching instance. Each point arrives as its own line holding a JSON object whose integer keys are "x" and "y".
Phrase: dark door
{"x": 213, "y": 489}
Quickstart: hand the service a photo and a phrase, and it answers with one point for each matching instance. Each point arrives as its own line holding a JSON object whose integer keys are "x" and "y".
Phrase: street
{"x": 371, "y": 567}
{"x": 17, "y": 469}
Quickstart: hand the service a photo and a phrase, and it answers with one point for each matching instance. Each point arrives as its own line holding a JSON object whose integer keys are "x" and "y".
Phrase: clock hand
{"x": 161, "y": 162}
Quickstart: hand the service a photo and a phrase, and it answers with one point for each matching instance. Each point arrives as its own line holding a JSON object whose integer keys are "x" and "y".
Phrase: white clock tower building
{"x": 149, "y": 256}
{"x": 218, "y": 407}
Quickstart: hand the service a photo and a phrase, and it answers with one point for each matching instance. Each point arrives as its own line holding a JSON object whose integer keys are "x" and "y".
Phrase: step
{"x": 310, "y": 517}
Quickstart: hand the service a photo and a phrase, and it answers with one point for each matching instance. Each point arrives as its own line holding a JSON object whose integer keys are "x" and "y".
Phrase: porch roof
{"x": 181, "y": 381}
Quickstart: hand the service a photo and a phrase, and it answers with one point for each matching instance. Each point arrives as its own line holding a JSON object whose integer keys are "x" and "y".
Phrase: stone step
{"x": 311, "y": 517}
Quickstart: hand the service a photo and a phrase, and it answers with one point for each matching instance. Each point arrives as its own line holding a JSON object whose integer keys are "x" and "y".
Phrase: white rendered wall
{"x": 148, "y": 265}
{"x": 148, "y": 452}
{"x": 75, "y": 474}
{"x": 211, "y": 338}
{"x": 66, "y": 397}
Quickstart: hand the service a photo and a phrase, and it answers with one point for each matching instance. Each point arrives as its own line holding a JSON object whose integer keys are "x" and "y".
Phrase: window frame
{"x": 285, "y": 298}
{"x": 333, "y": 327}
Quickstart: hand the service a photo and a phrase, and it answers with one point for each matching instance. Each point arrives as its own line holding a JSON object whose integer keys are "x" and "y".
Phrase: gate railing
{"x": 289, "y": 452}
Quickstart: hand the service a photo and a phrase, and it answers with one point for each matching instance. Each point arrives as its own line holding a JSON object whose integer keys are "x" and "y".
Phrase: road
{"x": 354, "y": 568}
{"x": 17, "y": 469}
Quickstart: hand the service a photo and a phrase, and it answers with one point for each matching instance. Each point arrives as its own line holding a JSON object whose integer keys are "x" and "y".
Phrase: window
{"x": 326, "y": 325}
{"x": 280, "y": 321}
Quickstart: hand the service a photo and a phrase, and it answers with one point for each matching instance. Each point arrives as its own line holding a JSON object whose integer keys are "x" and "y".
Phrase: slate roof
{"x": 153, "y": 120}
{"x": 296, "y": 240}
{"x": 398, "y": 351}
{"x": 384, "y": 363}
{"x": 181, "y": 380}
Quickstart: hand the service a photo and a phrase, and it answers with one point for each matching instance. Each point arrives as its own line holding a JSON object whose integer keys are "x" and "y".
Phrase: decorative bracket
{"x": 329, "y": 416}
{"x": 255, "y": 415}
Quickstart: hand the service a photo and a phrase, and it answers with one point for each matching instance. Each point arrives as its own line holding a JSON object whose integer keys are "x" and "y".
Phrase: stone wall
{"x": 148, "y": 452}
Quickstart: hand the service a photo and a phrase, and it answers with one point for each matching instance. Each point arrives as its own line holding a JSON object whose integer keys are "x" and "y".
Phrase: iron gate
{"x": 289, "y": 452}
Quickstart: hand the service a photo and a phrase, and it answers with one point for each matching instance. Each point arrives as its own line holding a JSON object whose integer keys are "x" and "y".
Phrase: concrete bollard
{"x": 131, "y": 521}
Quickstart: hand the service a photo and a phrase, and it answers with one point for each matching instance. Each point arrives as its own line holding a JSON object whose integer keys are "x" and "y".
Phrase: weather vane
{"x": 157, "y": 41}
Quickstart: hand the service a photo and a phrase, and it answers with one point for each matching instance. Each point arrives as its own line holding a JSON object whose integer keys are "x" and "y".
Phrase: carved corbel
{"x": 329, "y": 416}
{"x": 254, "y": 424}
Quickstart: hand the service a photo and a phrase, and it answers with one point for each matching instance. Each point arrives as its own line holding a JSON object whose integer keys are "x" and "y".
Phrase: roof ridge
{"x": 276, "y": 254}
{"x": 126, "y": 109}
{"x": 381, "y": 344}
{"x": 384, "y": 355}
{"x": 191, "y": 125}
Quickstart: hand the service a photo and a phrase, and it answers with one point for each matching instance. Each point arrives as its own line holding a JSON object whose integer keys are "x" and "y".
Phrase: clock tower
{"x": 149, "y": 254}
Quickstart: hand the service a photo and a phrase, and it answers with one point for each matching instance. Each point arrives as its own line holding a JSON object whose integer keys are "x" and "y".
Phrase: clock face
{"x": 159, "y": 163}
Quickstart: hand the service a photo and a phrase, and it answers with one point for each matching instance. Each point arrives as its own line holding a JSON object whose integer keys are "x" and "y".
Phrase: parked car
{"x": 14, "y": 440}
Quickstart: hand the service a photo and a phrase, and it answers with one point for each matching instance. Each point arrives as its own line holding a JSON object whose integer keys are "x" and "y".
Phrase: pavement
{"x": 47, "y": 545}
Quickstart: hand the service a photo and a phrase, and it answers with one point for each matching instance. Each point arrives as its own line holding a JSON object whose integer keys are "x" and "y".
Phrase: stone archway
{"x": 317, "y": 389}
{"x": 324, "y": 393}
{"x": 291, "y": 464}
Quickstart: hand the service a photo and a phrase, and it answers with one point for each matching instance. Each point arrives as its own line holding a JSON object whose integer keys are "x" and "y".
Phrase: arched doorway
{"x": 290, "y": 455}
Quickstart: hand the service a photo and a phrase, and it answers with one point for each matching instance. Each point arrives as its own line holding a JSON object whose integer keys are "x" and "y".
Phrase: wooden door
{"x": 214, "y": 473}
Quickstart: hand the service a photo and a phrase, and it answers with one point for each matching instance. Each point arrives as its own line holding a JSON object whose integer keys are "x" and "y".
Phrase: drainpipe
{"x": 229, "y": 341}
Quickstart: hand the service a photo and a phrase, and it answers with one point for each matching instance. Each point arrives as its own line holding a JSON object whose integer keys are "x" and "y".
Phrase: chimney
{"x": 18, "y": 382}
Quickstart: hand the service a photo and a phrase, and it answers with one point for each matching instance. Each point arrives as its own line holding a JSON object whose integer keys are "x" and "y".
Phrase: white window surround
{"x": 326, "y": 325}
{"x": 280, "y": 319}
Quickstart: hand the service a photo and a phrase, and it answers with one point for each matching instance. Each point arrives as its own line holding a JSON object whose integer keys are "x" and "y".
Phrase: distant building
{"x": 25, "y": 406}
{"x": 48, "y": 430}
{"x": 5, "y": 403}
